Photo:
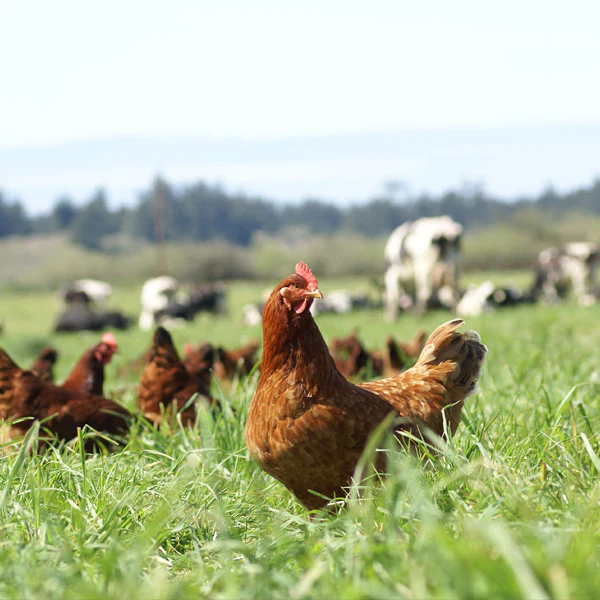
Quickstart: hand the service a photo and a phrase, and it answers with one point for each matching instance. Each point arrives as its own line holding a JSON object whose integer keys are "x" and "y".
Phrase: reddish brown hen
{"x": 43, "y": 367}
{"x": 307, "y": 425}
{"x": 352, "y": 359}
{"x": 23, "y": 394}
{"x": 413, "y": 348}
{"x": 203, "y": 361}
{"x": 88, "y": 374}
{"x": 398, "y": 355}
{"x": 165, "y": 383}
{"x": 225, "y": 364}
{"x": 239, "y": 361}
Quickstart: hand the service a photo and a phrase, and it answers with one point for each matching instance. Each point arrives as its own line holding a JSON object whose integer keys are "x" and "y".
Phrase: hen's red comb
{"x": 303, "y": 270}
{"x": 109, "y": 339}
{"x": 188, "y": 348}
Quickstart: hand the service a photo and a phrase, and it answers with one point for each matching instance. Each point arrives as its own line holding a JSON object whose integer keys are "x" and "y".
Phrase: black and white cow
{"x": 164, "y": 302}
{"x": 156, "y": 295}
{"x": 342, "y": 302}
{"x": 80, "y": 317}
{"x": 207, "y": 297}
{"x": 571, "y": 266}
{"x": 423, "y": 254}
{"x": 487, "y": 296}
{"x": 87, "y": 290}
{"x": 84, "y": 308}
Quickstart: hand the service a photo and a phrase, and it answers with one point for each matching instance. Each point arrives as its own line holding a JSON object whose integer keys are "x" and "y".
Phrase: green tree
{"x": 93, "y": 221}
{"x": 63, "y": 213}
{"x": 13, "y": 219}
{"x": 317, "y": 216}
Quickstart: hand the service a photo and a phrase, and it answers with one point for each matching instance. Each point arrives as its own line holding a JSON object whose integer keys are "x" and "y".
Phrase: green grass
{"x": 509, "y": 509}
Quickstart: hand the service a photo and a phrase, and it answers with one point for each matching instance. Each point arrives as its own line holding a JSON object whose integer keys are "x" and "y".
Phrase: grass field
{"x": 511, "y": 508}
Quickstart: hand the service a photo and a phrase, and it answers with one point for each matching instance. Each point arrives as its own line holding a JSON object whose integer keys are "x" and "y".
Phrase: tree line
{"x": 203, "y": 212}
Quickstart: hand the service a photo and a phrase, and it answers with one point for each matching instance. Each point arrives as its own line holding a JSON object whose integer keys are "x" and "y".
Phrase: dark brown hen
{"x": 398, "y": 355}
{"x": 239, "y": 361}
{"x": 207, "y": 360}
{"x": 351, "y": 357}
{"x": 308, "y": 426}
{"x": 202, "y": 362}
{"x": 166, "y": 385}
{"x": 62, "y": 410}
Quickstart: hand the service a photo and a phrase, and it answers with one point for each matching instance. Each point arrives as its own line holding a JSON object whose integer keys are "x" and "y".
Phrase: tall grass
{"x": 510, "y": 508}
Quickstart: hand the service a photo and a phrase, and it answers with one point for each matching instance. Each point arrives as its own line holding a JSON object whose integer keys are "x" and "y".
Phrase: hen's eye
{"x": 294, "y": 286}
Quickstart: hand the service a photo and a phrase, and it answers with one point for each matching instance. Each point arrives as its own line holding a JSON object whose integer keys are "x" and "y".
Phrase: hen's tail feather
{"x": 163, "y": 346}
{"x": 464, "y": 350}
{"x": 6, "y": 362}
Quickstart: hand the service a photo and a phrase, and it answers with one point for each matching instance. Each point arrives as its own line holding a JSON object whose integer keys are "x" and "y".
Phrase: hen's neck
{"x": 87, "y": 375}
{"x": 294, "y": 343}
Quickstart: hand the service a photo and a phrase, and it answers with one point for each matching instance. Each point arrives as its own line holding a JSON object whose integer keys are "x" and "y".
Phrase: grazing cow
{"x": 156, "y": 295}
{"x": 88, "y": 290}
{"x": 209, "y": 297}
{"x": 486, "y": 297}
{"x": 71, "y": 297}
{"x": 80, "y": 317}
{"x": 341, "y": 302}
{"x": 204, "y": 298}
{"x": 572, "y": 265}
{"x": 424, "y": 253}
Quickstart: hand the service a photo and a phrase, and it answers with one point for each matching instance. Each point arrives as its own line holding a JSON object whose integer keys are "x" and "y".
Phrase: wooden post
{"x": 159, "y": 226}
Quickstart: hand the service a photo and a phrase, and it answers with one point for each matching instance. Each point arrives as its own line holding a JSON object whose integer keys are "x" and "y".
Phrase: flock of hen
{"x": 307, "y": 425}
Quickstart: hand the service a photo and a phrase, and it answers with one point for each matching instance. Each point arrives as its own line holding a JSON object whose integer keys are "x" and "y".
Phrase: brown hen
{"x": 63, "y": 410}
{"x": 88, "y": 373}
{"x": 166, "y": 385}
{"x": 352, "y": 359}
{"x": 203, "y": 361}
{"x": 239, "y": 361}
{"x": 308, "y": 426}
{"x": 225, "y": 364}
{"x": 398, "y": 355}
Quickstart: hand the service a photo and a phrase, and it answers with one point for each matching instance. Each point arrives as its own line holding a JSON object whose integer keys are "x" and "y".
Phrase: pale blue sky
{"x": 262, "y": 69}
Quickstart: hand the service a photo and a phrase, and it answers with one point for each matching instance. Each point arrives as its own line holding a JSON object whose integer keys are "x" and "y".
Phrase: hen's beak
{"x": 315, "y": 294}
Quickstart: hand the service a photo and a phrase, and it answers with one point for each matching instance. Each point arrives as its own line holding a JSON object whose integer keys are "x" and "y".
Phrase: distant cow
{"x": 80, "y": 317}
{"x": 573, "y": 265}
{"x": 204, "y": 298}
{"x": 209, "y": 297}
{"x": 487, "y": 296}
{"x": 156, "y": 295}
{"x": 87, "y": 290}
{"x": 424, "y": 253}
{"x": 341, "y": 302}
